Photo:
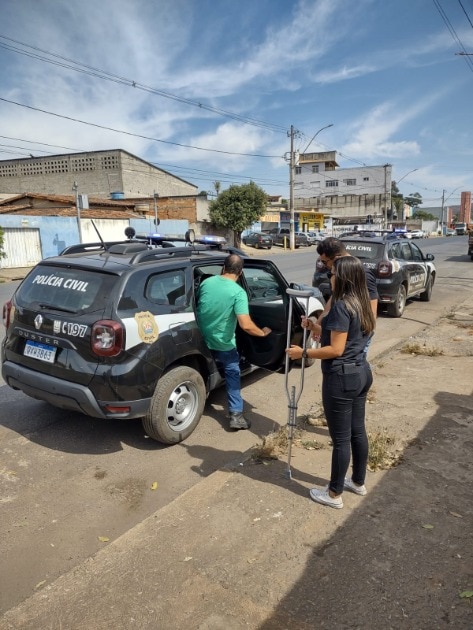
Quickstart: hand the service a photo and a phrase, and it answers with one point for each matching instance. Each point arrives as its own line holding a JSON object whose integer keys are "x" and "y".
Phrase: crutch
{"x": 292, "y": 396}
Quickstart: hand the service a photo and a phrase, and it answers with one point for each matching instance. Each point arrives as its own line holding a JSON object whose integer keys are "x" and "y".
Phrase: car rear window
{"x": 364, "y": 250}
{"x": 67, "y": 289}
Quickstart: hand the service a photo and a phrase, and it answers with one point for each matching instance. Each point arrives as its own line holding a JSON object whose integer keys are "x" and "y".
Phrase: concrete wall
{"x": 97, "y": 173}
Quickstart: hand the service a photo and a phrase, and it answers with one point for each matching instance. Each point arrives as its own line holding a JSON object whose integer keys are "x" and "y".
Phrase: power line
{"x": 453, "y": 33}
{"x": 135, "y": 135}
{"x": 58, "y": 60}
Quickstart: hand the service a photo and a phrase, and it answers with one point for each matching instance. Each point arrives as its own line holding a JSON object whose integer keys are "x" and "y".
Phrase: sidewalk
{"x": 8, "y": 274}
{"x": 246, "y": 548}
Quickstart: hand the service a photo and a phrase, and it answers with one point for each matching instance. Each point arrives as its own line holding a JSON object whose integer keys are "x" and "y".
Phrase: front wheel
{"x": 396, "y": 309}
{"x": 176, "y": 406}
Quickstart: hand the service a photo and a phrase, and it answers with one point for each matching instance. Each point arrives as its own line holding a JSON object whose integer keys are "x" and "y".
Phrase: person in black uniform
{"x": 346, "y": 376}
{"x": 329, "y": 250}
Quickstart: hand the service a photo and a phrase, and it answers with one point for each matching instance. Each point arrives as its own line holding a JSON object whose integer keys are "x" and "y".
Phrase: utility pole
{"x": 156, "y": 220}
{"x": 292, "y": 168}
{"x": 444, "y": 228}
{"x": 292, "y": 240}
{"x": 75, "y": 188}
{"x": 385, "y": 218}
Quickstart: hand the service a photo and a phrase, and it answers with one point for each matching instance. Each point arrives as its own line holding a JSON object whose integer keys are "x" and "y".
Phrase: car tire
{"x": 176, "y": 406}
{"x": 396, "y": 309}
{"x": 427, "y": 294}
{"x": 256, "y": 245}
{"x": 269, "y": 246}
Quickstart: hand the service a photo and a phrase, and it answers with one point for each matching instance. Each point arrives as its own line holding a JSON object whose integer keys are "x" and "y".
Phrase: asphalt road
{"x": 67, "y": 480}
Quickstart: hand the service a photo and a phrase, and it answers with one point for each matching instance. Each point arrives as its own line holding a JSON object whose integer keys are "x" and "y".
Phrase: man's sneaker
{"x": 349, "y": 484}
{"x": 323, "y": 497}
{"x": 238, "y": 421}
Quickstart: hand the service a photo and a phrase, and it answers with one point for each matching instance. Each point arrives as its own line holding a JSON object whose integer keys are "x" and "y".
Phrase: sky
{"x": 208, "y": 90}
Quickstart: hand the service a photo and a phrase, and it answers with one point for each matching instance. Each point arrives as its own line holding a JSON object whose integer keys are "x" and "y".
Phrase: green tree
{"x": 2, "y": 241}
{"x": 237, "y": 208}
{"x": 397, "y": 199}
{"x": 217, "y": 187}
{"x": 414, "y": 200}
{"x": 426, "y": 216}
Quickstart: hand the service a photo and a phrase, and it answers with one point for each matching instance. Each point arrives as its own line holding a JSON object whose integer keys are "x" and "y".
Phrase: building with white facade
{"x": 323, "y": 191}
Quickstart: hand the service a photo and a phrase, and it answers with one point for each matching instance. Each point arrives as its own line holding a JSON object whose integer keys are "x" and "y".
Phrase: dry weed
{"x": 381, "y": 454}
{"x": 417, "y": 348}
{"x": 275, "y": 444}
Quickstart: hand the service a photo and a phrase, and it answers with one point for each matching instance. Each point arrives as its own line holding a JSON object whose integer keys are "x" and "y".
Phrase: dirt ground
{"x": 412, "y": 561}
{"x": 257, "y": 553}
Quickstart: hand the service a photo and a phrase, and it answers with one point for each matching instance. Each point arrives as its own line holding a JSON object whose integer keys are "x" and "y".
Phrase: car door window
{"x": 261, "y": 286}
{"x": 167, "y": 289}
{"x": 395, "y": 251}
{"x": 416, "y": 253}
{"x": 406, "y": 251}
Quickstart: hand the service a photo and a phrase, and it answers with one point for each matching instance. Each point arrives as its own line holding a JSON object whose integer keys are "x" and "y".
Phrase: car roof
{"x": 120, "y": 257}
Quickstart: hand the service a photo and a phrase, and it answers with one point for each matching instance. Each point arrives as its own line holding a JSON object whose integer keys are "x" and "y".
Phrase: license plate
{"x": 40, "y": 351}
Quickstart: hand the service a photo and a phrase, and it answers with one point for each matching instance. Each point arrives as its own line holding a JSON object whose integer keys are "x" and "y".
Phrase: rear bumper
{"x": 67, "y": 395}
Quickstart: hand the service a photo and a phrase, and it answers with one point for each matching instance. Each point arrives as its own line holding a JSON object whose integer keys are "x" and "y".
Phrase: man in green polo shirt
{"x": 221, "y": 306}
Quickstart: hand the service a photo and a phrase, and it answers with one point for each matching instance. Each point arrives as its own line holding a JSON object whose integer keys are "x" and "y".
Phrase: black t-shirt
{"x": 340, "y": 319}
{"x": 371, "y": 283}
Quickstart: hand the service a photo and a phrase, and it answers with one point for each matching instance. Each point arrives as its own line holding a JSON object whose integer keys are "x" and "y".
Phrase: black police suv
{"x": 401, "y": 269}
{"x": 109, "y": 330}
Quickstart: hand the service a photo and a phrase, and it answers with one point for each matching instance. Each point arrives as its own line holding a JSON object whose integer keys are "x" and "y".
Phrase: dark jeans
{"x": 230, "y": 361}
{"x": 344, "y": 399}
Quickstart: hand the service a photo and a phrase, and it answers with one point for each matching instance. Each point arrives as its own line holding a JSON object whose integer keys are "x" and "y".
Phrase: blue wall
{"x": 56, "y": 233}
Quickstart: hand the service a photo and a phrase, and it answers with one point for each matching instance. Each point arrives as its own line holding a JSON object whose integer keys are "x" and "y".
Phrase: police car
{"x": 109, "y": 330}
{"x": 401, "y": 269}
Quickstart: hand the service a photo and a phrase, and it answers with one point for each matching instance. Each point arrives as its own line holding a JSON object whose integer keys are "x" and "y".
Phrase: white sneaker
{"x": 323, "y": 497}
{"x": 349, "y": 484}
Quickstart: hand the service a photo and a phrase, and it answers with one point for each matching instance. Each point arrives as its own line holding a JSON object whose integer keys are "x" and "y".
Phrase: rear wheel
{"x": 396, "y": 309}
{"x": 427, "y": 294}
{"x": 176, "y": 406}
{"x": 256, "y": 245}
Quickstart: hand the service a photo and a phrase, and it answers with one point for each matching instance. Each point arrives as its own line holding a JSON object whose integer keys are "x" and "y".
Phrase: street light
{"x": 292, "y": 168}
{"x": 315, "y": 136}
{"x": 444, "y": 207}
{"x": 397, "y": 182}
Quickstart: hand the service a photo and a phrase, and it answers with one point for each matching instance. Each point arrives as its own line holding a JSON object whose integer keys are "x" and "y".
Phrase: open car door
{"x": 269, "y": 306}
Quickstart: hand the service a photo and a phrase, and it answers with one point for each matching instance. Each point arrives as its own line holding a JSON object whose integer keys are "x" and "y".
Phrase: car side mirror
{"x": 429, "y": 257}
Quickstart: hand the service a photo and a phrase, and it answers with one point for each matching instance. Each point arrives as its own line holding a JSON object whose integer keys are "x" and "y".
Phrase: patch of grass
{"x": 381, "y": 455}
{"x": 275, "y": 444}
{"x": 417, "y": 348}
{"x": 311, "y": 445}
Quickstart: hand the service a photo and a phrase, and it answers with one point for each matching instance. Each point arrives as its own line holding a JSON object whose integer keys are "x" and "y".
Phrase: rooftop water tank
{"x": 117, "y": 195}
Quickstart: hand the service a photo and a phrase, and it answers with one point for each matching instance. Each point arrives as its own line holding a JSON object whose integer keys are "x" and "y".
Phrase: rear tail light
{"x": 7, "y": 313}
{"x": 384, "y": 269}
{"x": 107, "y": 338}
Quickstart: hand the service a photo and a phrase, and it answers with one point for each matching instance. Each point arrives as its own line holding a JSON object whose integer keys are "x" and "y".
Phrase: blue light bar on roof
{"x": 208, "y": 238}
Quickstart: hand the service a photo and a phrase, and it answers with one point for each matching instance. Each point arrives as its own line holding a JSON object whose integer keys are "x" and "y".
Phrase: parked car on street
{"x": 258, "y": 240}
{"x": 282, "y": 236}
{"x": 109, "y": 330}
{"x": 401, "y": 269}
{"x": 310, "y": 236}
{"x": 450, "y": 232}
{"x": 304, "y": 240}
{"x": 416, "y": 234}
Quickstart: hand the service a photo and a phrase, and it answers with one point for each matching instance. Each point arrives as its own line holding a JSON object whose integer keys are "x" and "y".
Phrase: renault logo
{"x": 38, "y": 321}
